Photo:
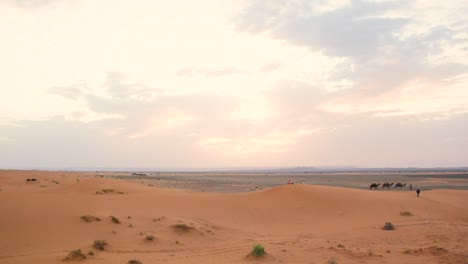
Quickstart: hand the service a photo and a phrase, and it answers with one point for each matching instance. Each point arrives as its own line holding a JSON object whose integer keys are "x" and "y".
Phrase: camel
{"x": 374, "y": 186}
{"x": 386, "y": 185}
{"x": 400, "y": 185}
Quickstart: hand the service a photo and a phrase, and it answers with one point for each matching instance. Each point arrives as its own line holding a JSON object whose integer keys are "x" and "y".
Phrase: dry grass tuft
{"x": 100, "y": 244}
{"x": 75, "y": 255}
{"x": 406, "y": 213}
{"x": 115, "y": 219}
{"x": 90, "y": 218}
{"x": 388, "y": 226}
{"x": 182, "y": 227}
{"x": 150, "y": 238}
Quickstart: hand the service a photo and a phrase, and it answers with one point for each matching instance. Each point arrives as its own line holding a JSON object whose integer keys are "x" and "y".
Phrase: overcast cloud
{"x": 233, "y": 83}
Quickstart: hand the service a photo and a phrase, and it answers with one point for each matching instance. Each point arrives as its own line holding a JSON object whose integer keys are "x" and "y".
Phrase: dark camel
{"x": 374, "y": 186}
{"x": 386, "y": 185}
{"x": 400, "y": 185}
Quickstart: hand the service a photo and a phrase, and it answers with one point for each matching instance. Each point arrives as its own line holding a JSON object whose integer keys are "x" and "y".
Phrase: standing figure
{"x": 418, "y": 192}
{"x": 411, "y": 187}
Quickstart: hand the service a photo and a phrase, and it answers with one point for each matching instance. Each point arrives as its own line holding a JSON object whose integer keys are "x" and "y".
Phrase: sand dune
{"x": 295, "y": 223}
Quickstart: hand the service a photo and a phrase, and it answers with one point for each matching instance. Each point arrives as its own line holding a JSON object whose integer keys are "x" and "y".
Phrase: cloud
{"x": 208, "y": 72}
{"x": 72, "y": 92}
{"x": 118, "y": 87}
{"x": 270, "y": 67}
{"x": 386, "y": 47}
{"x": 27, "y": 4}
{"x": 270, "y": 142}
{"x": 350, "y": 31}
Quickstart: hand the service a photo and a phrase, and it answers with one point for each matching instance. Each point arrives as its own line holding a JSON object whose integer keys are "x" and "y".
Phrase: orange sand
{"x": 40, "y": 223}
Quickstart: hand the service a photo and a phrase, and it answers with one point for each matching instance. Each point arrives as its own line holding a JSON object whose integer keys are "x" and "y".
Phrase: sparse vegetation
{"x": 130, "y": 225}
{"x": 100, "y": 244}
{"x": 90, "y": 218}
{"x": 388, "y": 226}
{"x": 258, "y": 251}
{"x": 182, "y": 227}
{"x": 149, "y": 238}
{"x": 407, "y": 251}
{"x": 75, "y": 255}
{"x": 91, "y": 253}
{"x": 108, "y": 190}
{"x": 332, "y": 261}
{"x": 134, "y": 261}
{"x": 120, "y": 192}
{"x": 340, "y": 246}
{"x": 406, "y": 213}
{"x": 115, "y": 219}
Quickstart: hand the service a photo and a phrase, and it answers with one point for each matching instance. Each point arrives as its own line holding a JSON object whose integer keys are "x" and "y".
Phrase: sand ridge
{"x": 295, "y": 223}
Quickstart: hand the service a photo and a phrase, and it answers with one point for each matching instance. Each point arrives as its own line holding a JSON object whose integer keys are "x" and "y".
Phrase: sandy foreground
{"x": 41, "y": 223}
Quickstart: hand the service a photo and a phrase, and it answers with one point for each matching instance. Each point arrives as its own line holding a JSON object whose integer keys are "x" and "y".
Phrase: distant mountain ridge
{"x": 298, "y": 169}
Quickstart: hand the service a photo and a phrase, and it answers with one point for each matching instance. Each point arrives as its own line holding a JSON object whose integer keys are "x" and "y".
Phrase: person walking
{"x": 418, "y": 192}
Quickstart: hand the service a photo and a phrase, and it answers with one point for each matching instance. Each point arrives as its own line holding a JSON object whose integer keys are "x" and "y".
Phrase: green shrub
{"x": 258, "y": 251}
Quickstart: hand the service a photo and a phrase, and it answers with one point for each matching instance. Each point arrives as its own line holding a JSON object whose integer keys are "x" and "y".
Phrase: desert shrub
{"x": 149, "y": 238}
{"x": 258, "y": 250}
{"x": 91, "y": 253}
{"x": 56, "y": 182}
{"x": 75, "y": 255}
{"x": 100, "y": 244}
{"x": 182, "y": 227}
{"x": 115, "y": 219}
{"x": 90, "y": 218}
{"x": 388, "y": 226}
{"x": 406, "y": 213}
{"x": 332, "y": 261}
{"x": 108, "y": 190}
{"x": 134, "y": 261}
{"x": 340, "y": 246}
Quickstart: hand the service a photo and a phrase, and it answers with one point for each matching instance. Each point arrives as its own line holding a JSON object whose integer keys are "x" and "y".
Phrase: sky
{"x": 233, "y": 83}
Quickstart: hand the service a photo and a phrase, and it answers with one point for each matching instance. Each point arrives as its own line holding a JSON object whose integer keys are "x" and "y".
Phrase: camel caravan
{"x": 375, "y": 186}
{"x": 31, "y": 180}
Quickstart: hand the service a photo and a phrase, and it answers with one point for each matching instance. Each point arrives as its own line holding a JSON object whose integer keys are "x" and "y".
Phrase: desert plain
{"x": 185, "y": 218}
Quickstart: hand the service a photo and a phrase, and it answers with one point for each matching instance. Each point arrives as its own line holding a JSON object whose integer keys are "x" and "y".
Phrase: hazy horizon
{"x": 233, "y": 83}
